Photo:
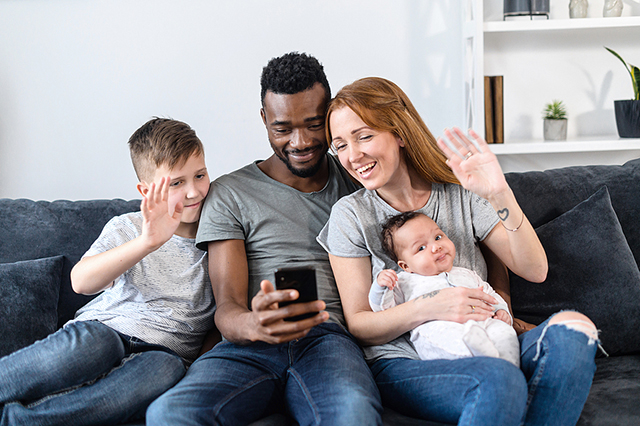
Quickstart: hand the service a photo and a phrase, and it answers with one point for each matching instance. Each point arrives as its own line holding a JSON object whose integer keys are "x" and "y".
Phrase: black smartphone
{"x": 301, "y": 279}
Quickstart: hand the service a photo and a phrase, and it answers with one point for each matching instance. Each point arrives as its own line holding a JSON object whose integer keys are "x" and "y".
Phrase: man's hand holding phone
{"x": 277, "y": 311}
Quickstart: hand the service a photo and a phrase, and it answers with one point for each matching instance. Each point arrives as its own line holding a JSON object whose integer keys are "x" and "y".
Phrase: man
{"x": 259, "y": 218}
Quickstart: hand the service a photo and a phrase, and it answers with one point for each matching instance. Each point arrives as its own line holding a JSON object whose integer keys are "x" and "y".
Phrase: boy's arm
{"x": 95, "y": 273}
{"x": 229, "y": 273}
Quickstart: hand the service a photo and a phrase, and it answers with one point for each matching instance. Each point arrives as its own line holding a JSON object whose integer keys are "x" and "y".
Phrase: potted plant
{"x": 555, "y": 121}
{"x": 628, "y": 110}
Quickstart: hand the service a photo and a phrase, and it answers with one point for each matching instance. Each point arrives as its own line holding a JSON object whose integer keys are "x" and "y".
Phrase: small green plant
{"x": 555, "y": 111}
{"x": 634, "y": 72}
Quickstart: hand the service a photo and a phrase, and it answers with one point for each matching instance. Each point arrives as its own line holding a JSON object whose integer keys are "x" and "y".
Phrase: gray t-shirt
{"x": 354, "y": 230}
{"x": 278, "y": 224}
{"x": 165, "y": 299}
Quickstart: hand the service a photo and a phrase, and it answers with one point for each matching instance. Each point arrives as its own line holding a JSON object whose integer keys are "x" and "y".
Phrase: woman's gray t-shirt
{"x": 354, "y": 230}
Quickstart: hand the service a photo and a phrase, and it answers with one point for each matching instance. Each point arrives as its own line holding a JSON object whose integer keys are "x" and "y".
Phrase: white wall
{"x": 77, "y": 77}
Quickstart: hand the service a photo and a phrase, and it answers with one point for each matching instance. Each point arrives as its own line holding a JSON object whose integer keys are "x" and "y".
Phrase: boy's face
{"x": 189, "y": 185}
{"x": 423, "y": 248}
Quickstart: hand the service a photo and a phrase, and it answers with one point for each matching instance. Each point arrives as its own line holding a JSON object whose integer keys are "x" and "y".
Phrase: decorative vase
{"x": 628, "y": 118}
{"x": 526, "y": 7}
{"x": 555, "y": 130}
{"x": 612, "y": 8}
{"x": 578, "y": 8}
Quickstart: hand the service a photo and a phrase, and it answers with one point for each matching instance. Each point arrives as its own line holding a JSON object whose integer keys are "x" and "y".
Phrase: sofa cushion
{"x": 28, "y": 301}
{"x": 39, "y": 229}
{"x": 591, "y": 270}
{"x": 546, "y": 195}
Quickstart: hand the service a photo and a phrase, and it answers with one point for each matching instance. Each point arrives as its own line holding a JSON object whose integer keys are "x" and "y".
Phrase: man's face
{"x": 295, "y": 126}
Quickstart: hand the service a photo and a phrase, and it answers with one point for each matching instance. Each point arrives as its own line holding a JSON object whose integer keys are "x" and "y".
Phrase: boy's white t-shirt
{"x": 165, "y": 299}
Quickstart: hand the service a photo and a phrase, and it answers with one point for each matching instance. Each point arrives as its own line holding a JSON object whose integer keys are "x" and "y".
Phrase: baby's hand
{"x": 388, "y": 278}
{"x": 503, "y": 315}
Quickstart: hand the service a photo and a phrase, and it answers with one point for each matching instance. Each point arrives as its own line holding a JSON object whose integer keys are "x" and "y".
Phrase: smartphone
{"x": 301, "y": 279}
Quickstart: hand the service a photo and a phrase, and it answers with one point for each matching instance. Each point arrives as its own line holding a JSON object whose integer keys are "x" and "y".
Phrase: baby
{"x": 426, "y": 256}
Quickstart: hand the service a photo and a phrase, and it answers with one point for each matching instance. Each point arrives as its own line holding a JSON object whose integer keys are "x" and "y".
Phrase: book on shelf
{"x": 494, "y": 109}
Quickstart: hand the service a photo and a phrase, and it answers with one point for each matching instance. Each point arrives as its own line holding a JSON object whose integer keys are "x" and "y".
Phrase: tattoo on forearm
{"x": 428, "y": 295}
{"x": 503, "y": 214}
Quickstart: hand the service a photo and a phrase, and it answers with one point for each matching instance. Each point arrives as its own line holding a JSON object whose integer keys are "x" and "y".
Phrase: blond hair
{"x": 162, "y": 141}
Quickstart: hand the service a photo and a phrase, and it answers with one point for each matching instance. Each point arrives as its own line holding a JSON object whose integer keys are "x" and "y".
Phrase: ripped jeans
{"x": 558, "y": 363}
{"x": 84, "y": 374}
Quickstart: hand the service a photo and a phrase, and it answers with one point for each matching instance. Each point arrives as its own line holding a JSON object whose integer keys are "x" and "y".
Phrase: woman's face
{"x": 373, "y": 157}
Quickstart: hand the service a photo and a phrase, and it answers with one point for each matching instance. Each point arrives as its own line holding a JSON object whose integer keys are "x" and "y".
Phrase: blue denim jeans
{"x": 84, "y": 374}
{"x": 320, "y": 379}
{"x": 557, "y": 362}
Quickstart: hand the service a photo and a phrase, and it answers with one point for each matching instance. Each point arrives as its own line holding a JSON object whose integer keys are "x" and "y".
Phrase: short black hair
{"x": 389, "y": 227}
{"x": 293, "y": 73}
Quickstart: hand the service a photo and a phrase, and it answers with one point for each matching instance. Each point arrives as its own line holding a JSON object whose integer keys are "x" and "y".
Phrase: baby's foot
{"x": 477, "y": 340}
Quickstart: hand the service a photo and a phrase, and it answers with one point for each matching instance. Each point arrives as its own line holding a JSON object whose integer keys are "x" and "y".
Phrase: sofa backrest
{"x": 546, "y": 195}
{"x": 38, "y": 229}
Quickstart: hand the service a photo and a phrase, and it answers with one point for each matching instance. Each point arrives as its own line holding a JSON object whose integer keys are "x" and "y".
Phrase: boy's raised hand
{"x": 159, "y": 223}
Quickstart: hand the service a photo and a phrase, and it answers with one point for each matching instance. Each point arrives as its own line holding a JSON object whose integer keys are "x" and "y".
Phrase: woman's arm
{"x": 353, "y": 278}
{"x": 514, "y": 241}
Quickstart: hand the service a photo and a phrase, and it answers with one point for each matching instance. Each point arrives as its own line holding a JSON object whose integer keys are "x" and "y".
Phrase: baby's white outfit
{"x": 447, "y": 339}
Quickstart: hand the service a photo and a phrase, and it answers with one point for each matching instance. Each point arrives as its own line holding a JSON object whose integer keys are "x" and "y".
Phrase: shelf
{"x": 560, "y": 24}
{"x": 575, "y": 145}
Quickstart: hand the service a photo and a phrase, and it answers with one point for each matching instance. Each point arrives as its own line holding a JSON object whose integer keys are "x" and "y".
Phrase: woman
{"x": 381, "y": 140}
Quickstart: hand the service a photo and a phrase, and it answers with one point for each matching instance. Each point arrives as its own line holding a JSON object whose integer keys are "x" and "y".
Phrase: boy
{"x": 426, "y": 256}
{"x": 132, "y": 342}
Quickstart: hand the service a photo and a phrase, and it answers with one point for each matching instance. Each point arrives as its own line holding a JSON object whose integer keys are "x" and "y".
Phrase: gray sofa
{"x": 587, "y": 218}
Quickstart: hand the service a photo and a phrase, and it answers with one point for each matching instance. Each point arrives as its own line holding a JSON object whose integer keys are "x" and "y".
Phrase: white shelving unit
{"x": 560, "y": 24}
{"x": 557, "y": 58}
{"x": 555, "y": 147}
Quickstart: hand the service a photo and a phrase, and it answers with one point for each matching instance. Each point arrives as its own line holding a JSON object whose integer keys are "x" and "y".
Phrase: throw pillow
{"x": 591, "y": 270}
{"x": 28, "y": 301}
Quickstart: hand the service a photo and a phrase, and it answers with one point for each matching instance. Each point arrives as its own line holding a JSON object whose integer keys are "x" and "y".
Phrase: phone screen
{"x": 301, "y": 279}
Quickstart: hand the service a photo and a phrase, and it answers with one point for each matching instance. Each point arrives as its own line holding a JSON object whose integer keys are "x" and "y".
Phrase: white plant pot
{"x": 555, "y": 130}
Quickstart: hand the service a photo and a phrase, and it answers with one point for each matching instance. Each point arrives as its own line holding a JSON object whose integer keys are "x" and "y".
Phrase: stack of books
{"x": 493, "y": 109}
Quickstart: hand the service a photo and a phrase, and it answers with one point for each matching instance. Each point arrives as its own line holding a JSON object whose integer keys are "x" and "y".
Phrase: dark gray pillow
{"x": 591, "y": 270}
{"x": 28, "y": 301}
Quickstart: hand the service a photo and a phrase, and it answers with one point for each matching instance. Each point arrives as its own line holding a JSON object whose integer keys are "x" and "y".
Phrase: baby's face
{"x": 423, "y": 248}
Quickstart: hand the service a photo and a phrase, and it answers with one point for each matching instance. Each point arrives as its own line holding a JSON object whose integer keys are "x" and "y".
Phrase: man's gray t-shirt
{"x": 354, "y": 230}
{"x": 165, "y": 299}
{"x": 278, "y": 224}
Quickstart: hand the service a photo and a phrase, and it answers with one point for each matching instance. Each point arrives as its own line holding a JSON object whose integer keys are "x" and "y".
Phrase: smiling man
{"x": 257, "y": 219}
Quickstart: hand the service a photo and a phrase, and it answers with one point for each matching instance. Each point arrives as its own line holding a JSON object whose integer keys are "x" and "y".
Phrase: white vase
{"x": 555, "y": 130}
{"x": 578, "y": 8}
{"x": 612, "y": 8}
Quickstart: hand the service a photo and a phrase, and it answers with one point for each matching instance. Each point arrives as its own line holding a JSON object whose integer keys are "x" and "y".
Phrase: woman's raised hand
{"x": 473, "y": 163}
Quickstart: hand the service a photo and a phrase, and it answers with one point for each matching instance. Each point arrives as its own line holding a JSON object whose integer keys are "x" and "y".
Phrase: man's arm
{"x": 229, "y": 273}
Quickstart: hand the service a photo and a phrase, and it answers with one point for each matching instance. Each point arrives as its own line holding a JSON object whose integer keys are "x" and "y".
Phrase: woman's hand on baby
{"x": 388, "y": 278}
{"x": 459, "y": 304}
{"x": 473, "y": 163}
{"x": 503, "y": 315}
